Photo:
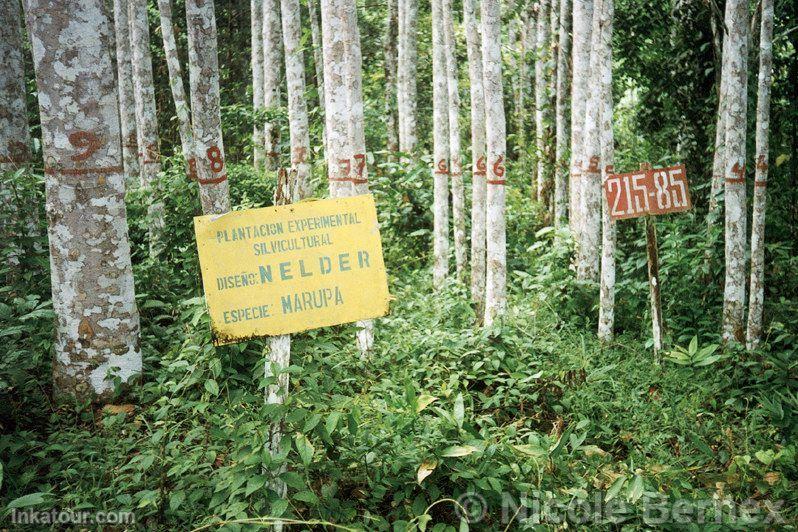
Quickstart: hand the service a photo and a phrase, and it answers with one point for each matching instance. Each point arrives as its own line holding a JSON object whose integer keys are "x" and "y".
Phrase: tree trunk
{"x": 561, "y": 124}
{"x": 542, "y": 52}
{"x": 455, "y": 162}
{"x": 406, "y": 75}
{"x": 607, "y": 291}
{"x": 718, "y": 160}
{"x": 390, "y": 57}
{"x": 582, "y": 25}
{"x": 478, "y": 164}
{"x": 146, "y": 120}
{"x": 440, "y": 167}
{"x": 182, "y": 111}
{"x": 587, "y": 267}
{"x": 127, "y": 100}
{"x": 496, "y": 283}
{"x": 257, "y": 62}
{"x": 735, "y": 76}
{"x": 205, "y": 114}
{"x": 97, "y": 331}
{"x": 754, "y": 331}
{"x": 318, "y": 62}
{"x": 271, "y": 78}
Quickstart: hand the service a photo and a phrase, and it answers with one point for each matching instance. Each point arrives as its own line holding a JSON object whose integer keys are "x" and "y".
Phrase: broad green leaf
{"x": 332, "y": 422}
{"x": 422, "y": 522}
{"x": 701, "y": 445}
{"x": 304, "y": 448}
{"x": 458, "y": 450}
{"x": 279, "y": 507}
{"x": 425, "y": 469}
{"x": 692, "y": 349}
{"x": 212, "y": 387}
{"x": 615, "y": 488}
{"x": 459, "y": 410}
{"x": 176, "y": 499}
{"x": 31, "y": 499}
{"x": 424, "y": 400}
{"x": 766, "y": 457}
{"x": 306, "y": 496}
{"x": 254, "y": 484}
{"x": 636, "y": 489}
{"x": 531, "y": 450}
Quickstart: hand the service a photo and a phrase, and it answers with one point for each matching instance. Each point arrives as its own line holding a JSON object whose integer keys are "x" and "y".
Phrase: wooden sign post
{"x": 649, "y": 192}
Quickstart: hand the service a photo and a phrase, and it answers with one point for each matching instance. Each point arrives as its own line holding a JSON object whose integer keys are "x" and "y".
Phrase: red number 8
{"x": 215, "y": 157}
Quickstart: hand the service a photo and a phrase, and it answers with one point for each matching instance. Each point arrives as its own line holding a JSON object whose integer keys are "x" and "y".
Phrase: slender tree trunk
{"x": 607, "y": 291}
{"x": 478, "y": 163}
{"x": 496, "y": 283}
{"x": 206, "y": 120}
{"x": 271, "y": 78}
{"x": 146, "y": 119}
{"x": 587, "y": 267}
{"x": 440, "y": 168}
{"x": 542, "y": 53}
{"x": 182, "y": 110}
{"x": 582, "y": 26}
{"x": 390, "y": 57}
{"x": 127, "y": 101}
{"x": 257, "y": 62}
{"x": 318, "y": 61}
{"x": 406, "y": 75}
{"x": 718, "y": 160}
{"x": 756, "y": 302}
{"x": 455, "y": 161}
{"x": 97, "y": 332}
{"x": 736, "y": 84}
{"x": 561, "y": 124}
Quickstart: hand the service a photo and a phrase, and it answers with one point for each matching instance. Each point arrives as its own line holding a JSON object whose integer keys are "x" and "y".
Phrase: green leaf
{"x": 458, "y": 450}
{"x": 332, "y": 422}
{"x": 424, "y": 400}
{"x": 306, "y": 496}
{"x": 31, "y": 499}
{"x": 459, "y": 410}
{"x": 279, "y": 507}
{"x": 636, "y": 489}
{"x": 212, "y": 387}
{"x": 615, "y": 488}
{"x": 304, "y": 448}
{"x": 176, "y": 499}
{"x": 700, "y": 445}
{"x": 463, "y": 525}
{"x": 692, "y": 349}
{"x": 766, "y": 457}
{"x": 422, "y": 522}
{"x": 531, "y": 450}
{"x": 254, "y": 484}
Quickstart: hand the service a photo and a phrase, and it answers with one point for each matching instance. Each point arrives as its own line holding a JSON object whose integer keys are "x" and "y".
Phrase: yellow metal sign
{"x": 281, "y": 270}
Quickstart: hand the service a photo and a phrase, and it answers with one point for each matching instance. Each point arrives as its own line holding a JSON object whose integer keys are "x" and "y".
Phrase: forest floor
{"x": 531, "y": 420}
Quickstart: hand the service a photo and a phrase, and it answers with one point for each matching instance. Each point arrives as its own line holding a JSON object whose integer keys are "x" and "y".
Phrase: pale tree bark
{"x": 272, "y": 41}
{"x": 736, "y": 84}
{"x": 406, "y": 75}
{"x": 542, "y": 57}
{"x": 318, "y": 61}
{"x": 182, "y": 110}
{"x": 478, "y": 163}
{"x": 455, "y": 161}
{"x": 607, "y": 291}
{"x": 127, "y": 101}
{"x": 257, "y": 63}
{"x": 440, "y": 141}
{"x": 582, "y": 26}
{"x": 561, "y": 111}
{"x": 496, "y": 282}
{"x": 97, "y": 334}
{"x": 520, "y": 35}
{"x": 718, "y": 159}
{"x": 146, "y": 120}
{"x": 389, "y": 52}
{"x": 587, "y": 266}
{"x": 754, "y": 331}
{"x": 206, "y": 119}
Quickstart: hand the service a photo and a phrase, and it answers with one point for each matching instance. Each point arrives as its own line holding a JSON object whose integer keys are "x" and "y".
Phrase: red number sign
{"x": 647, "y": 191}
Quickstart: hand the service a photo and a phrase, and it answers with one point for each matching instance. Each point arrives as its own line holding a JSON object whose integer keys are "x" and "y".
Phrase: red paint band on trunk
{"x": 83, "y": 171}
{"x": 359, "y": 181}
{"x": 481, "y": 173}
{"x": 213, "y": 181}
{"x": 761, "y": 183}
{"x": 496, "y": 181}
{"x": 735, "y": 180}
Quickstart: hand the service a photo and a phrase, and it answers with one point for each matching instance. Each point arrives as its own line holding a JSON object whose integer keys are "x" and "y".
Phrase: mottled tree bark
{"x": 318, "y": 61}
{"x": 97, "y": 333}
{"x": 407, "y": 65}
{"x": 496, "y": 282}
{"x": 257, "y": 63}
{"x": 542, "y": 57}
{"x": 478, "y": 163}
{"x": 389, "y": 52}
{"x": 182, "y": 110}
{"x": 754, "y": 331}
{"x": 561, "y": 111}
{"x": 127, "y": 101}
{"x": 440, "y": 166}
{"x": 718, "y": 159}
{"x": 455, "y": 161}
{"x": 607, "y": 290}
{"x": 580, "y": 73}
{"x": 206, "y": 119}
{"x": 735, "y": 76}
{"x": 272, "y": 41}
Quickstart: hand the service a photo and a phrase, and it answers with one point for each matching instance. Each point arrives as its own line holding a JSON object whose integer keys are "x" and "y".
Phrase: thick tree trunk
{"x": 272, "y": 41}
{"x": 757, "y": 296}
{"x": 440, "y": 167}
{"x": 406, "y": 75}
{"x": 582, "y": 26}
{"x": 496, "y": 283}
{"x": 736, "y": 84}
{"x": 146, "y": 120}
{"x": 97, "y": 331}
{"x": 542, "y": 57}
{"x": 561, "y": 124}
{"x": 607, "y": 291}
{"x": 127, "y": 101}
{"x": 478, "y": 163}
{"x": 257, "y": 63}
{"x": 587, "y": 267}
{"x": 455, "y": 161}
{"x": 182, "y": 110}
{"x": 206, "y": 120}
{"x": 389, "y": 52}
